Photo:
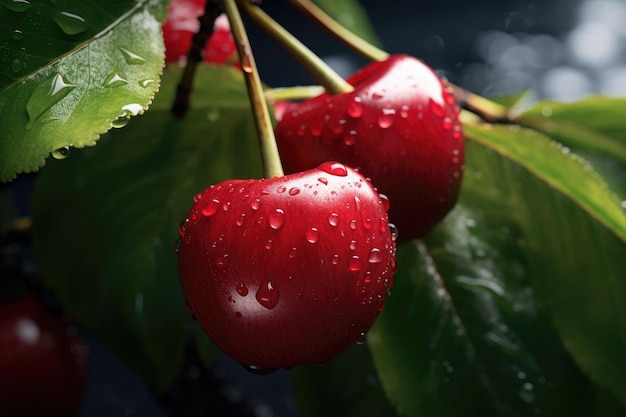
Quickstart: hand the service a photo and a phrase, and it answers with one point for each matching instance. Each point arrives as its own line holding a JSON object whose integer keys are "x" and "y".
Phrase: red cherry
{"x": 182, "y": 23}
{"x": 399, "y": 127}
{"x": 43, "y": 362}
{"x": 290, "y": 270}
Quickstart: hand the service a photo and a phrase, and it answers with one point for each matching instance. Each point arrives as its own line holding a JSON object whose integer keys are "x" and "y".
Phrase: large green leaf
{"x": 106, "y": 217}
{"x": 461, "y": 334}
{"x": 76, "y": 69}
{"x": 593, "y": 127}
{"x": 575, "y": 240}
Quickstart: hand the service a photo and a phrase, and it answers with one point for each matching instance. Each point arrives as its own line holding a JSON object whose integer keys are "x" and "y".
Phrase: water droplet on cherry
{"x": 354, "y": 263}
{"x": 255, "y": 204}
{"x": 294, "y": 191}
{"x": 355, "y": 107}
{"x": 242, "y": 289}
{"x": 267, "y": 295}
{"x": 211, "y": 207}
{"x": 375, "y": 256}
{"x": 334, "y": 168}
{"x": 333, "y": 219}
{"x": 276, "y": 219}
{"x": 312, "y": 235}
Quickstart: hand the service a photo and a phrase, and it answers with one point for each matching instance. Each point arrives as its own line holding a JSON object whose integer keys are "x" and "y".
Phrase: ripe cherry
{"x": 289, "y": 270}
{"x": 182, "y": 23}
{"x": 399, "y": 127}
{"x": 43, "y": 361}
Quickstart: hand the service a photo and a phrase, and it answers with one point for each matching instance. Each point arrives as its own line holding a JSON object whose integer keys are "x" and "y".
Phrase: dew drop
{"x": 323, "y": 180}
{"x": 241, "y": 219}
{"x": 375, "y": 256}
{"x": 355, "y": 107}
{"x": 294, "y": 191}
{"x": 377, "y": 96}
{"x": 226, "y": 206}
{"x": 268, "y": 245}
{"x": 436, "y": 108}
{"x": 211, "y": 207}
{"x": 335, "y": 259}
{"x": 17, "y": 35}
{"x": 182, "y": 227}
{"x": 145, "y": 83}
{"x": 267, "y": 295}
{"x": 16, "y": 65}
{"x": 394, "y": 231}
{"x": 276, "y": 219}
{"x": 114, "y": 80}
{"x": 255, "y": 204}
{"x": 131, "y": 58}
{"x": 354, "y": 263}
{"x": 46, "y": 95}
{"x": 281, "y": 189}
{"x": 312, "y": 235}
{"x": 353, "y": 224}
{"x": 385, "y": 120}
{"x": 334, "y": 168}
{"x": 338, "y": 129}
{"x": 404, "y": 111}
{"x": 221, "y": 262}
{"x": 120, "y": 122}
{"x": 18, "y": 5}
{"x": 361, "y": 339}
{"x": 353, "y": 245}
{"x": 61, "y": 153}
{"x": 259, "y": 370}
{"x": 70, "y": 23}
{"x": 133, "y": 109}
{"x": 350, "y": 138}
{"x": 293, "y": 252}
{"x": 447, "y": 123}
{"x": 333, "y": 219}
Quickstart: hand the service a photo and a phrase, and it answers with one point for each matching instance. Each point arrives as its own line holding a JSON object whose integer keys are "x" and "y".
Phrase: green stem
{"x": 487, "y": 109}
{"x": 293, "y": 93}
{"x": 324, "y": 74}
{"x": 349, "y": 38}
{"x": 270, "y": 158}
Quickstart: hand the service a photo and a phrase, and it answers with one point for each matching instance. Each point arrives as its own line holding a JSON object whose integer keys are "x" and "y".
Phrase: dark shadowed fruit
{"x": 43, "y": 362}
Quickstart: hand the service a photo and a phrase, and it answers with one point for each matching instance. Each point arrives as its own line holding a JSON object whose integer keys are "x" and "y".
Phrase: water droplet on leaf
{"x": 46, "y": 95}
{"x": 130, "y": 57}
{"x": 61, "y": 153}
{"x": 114, "y": 80}
{"x": 17, "y": 35}
{"x": 70, "y": 23}
{"x": 18, "y": 5}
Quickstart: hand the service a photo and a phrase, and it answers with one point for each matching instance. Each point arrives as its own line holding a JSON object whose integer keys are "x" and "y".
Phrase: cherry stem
{"x": 270, "y": 158}
{"x": 319, "y": 70}
{"x": 487, "y": 109}
{"x": 293, "y": 93}
{"x": 212, "y": 9}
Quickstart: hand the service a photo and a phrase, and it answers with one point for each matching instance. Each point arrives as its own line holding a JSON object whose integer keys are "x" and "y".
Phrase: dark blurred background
{"x": 560, "y": 49}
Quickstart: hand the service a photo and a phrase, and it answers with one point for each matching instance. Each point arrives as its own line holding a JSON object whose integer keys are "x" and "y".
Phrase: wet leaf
{"x": 84, "y": 68}
{"x": 117, "y": 207}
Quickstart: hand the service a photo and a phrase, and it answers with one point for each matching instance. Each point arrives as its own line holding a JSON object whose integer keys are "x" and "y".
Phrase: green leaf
{"x": 352, "y": 15}
{"x": 76, "y": 85}
{"x": 593, "y": 128}
{"x": 461, "y": 334}
{"x": 348, "y": 385}
{"x": 106, "y": 219}
{"x": 574, "y": 232}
